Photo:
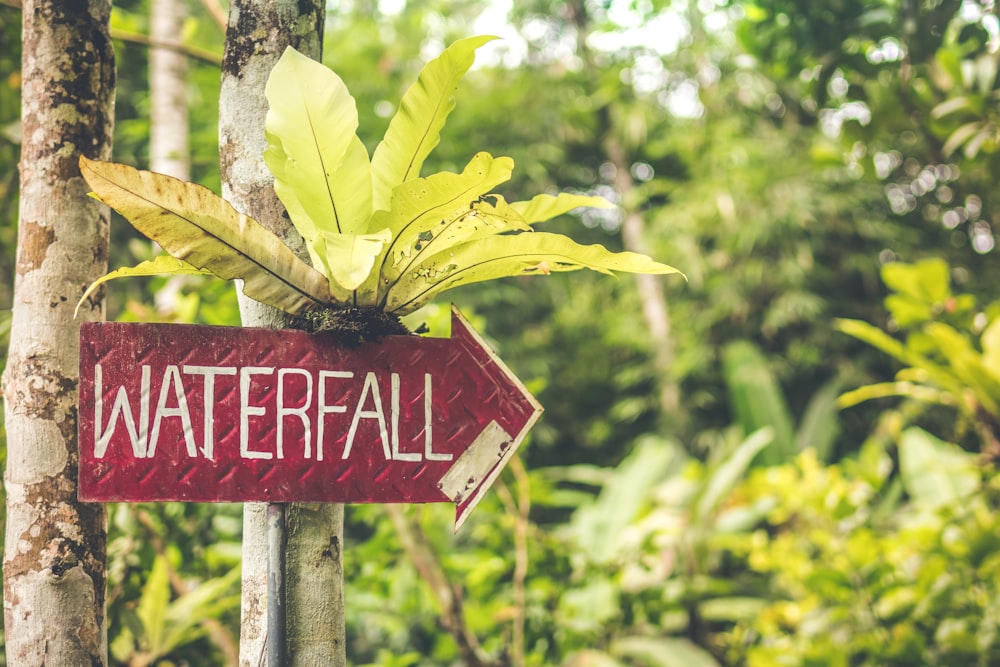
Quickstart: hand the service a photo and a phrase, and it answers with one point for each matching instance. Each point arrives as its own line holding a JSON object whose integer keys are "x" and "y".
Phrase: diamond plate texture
{"x": 247, "y": 374}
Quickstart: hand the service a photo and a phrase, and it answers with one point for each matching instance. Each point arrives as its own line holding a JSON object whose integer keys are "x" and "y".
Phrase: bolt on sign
{"x": 205, "y": 414}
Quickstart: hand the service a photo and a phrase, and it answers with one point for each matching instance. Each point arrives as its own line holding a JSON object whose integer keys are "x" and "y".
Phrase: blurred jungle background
{"x": 788, "y": 459}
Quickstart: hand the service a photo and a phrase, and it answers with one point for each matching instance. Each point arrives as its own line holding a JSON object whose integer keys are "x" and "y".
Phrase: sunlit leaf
{"x": 185, "y": 615}
{"x": 415, "y": 129}
{"x": 598, "y": 526}
{"x": 662, "y": 652}
{"x": 427, "y": 208}
{"x": 900, "y": 389}
{"x": 907, "y": 311}
{"x": 509, "y": 255}
{"x": 321, "y": 169}
{"x": 416, "y": 202}
{"x": 927, "y": 280}
{"x": 162, "y": 265}
{"x": 975, "y": 144}
{"x": 960, "y": 136}
{"x": 991, "y": 348}
{"x": 952, "y": 105}
{"x": 894, "y": 348}
{"x": 349, "y": 258}
{"x": 967, "y": 364}
{"x": 193, "y": 224}
{"x": 935, "y": 472}
{"x": 152, "y": 606}
{"x": 546, "y": 207}
{"x": 723, "y": 477}
{"x": 478, "y": 220}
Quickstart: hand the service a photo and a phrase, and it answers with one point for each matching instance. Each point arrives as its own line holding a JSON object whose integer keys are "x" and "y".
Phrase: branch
{"x": 448, "y": 596}
{"x": 193, "y": 52}
{"x": 520, "y": 510}
{"x": 217, "y": 13}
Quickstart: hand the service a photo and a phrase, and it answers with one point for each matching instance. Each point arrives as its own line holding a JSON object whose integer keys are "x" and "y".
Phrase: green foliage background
{"x": 785, "y": 155}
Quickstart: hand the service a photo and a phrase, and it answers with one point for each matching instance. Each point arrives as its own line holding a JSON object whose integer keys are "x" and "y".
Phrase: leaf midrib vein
{"x": 458, "y": 272}
{"x": 208, "y": 233}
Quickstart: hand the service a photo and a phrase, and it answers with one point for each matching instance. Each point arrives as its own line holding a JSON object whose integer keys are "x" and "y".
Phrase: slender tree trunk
{"x": 168, "y": 116}
{"x": 168, "y": 136}
{"x": 650, "y": 287}
{"x": 169, "y": 153}
{"x": 54, "y": 557}
{"x": 258, "y": 32}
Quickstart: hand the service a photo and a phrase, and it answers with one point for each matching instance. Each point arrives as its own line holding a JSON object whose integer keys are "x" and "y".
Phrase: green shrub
{"x": 867, "y": 576}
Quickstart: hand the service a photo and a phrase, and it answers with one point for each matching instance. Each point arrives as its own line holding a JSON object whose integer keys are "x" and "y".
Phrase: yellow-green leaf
{"x": 194, "y": 224}
{"x": 350, "y": 257}
{"x": 479, "y": 220}
{"x": 321, "y": 168}
{"x": 415, "y": 129}
{"x": 546, "y": 207}
{"x": 416, "y": 203}
{"x": 882, "y": 341}
{"x": 161, "y": 265}
{"x": 431, "y": 214}
{"x": 152, "y": 607}
{"x": 899, "y": 388}
{"x": 506, "y": 255}
{"x": 928, "y": 280}
{"x": 966, "y": 363}
{"x": 991, "y": 348}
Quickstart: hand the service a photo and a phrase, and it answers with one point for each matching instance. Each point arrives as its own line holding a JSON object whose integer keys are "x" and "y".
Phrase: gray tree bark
{"x": 258, "y": 32}
{"x": 54, "y": 556}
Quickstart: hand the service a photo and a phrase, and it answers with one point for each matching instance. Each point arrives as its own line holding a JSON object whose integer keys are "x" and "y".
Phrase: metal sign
{"x": 199, "y": 413}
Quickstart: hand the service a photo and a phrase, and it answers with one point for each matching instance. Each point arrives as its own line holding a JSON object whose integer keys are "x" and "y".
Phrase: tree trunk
{"x": 650, "y": 287}
{"x": 651, "y": 293}
{"x": 258, "y": 32}
{"x": 168, "y": 116}
{"x": 168, "y": 134}
{"x": 54, "y": 557}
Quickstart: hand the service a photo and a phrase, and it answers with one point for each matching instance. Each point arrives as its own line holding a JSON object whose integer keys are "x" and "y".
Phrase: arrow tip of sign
{"x": 473, "y": 473}
{"x": 460, "y": 517}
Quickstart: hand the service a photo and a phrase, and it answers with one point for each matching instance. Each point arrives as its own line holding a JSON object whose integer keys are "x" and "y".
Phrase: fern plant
{"x": 379, "y": 235}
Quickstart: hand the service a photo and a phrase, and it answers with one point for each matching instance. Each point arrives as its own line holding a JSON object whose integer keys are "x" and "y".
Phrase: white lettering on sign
{"x": 325, "y": 409}
{"x": 429, "y": 452}
{"x": 247, "y": 411}
{"x": 172, "y": 378}
{"x": 208, "y": 430}
{"x": 298, "y": 411}
{"x": 302, "y": 396}
{"x": 394, "y": 411}
{"x": 371, "y": 387}
{"x": 121, "y": 406}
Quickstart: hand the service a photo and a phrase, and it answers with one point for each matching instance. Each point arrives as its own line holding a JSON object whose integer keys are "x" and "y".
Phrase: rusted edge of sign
{"x": 469, "y": 473}
{"x": 485, "y": 452}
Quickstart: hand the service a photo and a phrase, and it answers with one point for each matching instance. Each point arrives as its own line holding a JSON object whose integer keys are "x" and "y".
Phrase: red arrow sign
{"x": 197, "y": 413}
